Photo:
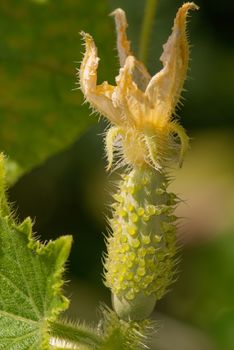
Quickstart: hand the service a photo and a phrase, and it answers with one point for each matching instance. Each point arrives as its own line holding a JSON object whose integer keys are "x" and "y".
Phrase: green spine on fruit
{"x": 139, "y": 264}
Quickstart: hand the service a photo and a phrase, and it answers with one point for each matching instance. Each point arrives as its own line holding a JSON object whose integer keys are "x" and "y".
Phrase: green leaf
{"x": 30, "y": 282}
{"x": 40, "y": 48}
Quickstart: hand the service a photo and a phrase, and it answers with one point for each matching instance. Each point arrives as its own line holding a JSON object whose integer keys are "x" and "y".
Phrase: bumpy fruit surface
{"x": 141, "y": 250}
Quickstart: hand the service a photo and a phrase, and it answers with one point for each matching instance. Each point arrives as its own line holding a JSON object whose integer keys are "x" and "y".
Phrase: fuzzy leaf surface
{"x": 30, "y": 282}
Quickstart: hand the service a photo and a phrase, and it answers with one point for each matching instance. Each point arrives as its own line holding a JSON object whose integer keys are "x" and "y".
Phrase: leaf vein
{"x": 17, "y": 317}
{"x": 8, "y": 280}
{"x": 23, "y": 277}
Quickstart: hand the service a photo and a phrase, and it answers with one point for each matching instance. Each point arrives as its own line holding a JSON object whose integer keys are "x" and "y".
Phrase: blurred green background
{"x": 45, "y": 127}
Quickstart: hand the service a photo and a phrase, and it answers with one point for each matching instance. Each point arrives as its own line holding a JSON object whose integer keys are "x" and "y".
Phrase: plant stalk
{"x": 150, "y": 9}
{"x": 75, "y": 334}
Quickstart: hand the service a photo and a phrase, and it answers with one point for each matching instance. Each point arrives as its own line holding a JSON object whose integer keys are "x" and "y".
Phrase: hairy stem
{"x": 147, "y": 24}
{"x": 75, "y": 334}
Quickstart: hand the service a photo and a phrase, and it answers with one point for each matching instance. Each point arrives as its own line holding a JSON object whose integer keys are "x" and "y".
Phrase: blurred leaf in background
{"x": 39, "y": 44}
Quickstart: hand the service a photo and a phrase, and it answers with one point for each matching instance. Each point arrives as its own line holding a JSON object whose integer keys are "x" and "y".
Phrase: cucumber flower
{"x": 141, "y": 109}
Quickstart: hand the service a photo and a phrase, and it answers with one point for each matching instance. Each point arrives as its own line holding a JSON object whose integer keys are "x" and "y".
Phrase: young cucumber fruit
{"x": 140, "y": 259}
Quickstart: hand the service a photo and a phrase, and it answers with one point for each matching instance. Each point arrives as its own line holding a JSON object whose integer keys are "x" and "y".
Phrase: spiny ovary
{"x": 141, "y": 250}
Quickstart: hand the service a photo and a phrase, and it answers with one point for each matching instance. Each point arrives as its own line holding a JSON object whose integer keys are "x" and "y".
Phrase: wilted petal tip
{"x": 117, "y": 12}
{"x": 123, "y": 44}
